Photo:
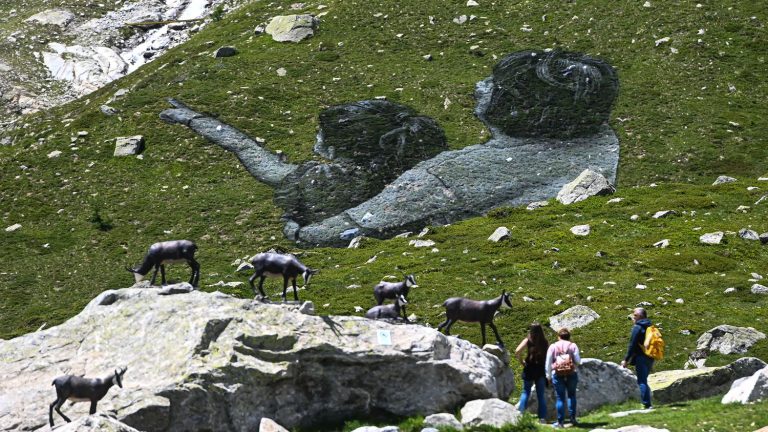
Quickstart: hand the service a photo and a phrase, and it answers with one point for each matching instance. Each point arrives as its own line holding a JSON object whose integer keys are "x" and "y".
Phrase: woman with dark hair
{"x": 534, "y": 368}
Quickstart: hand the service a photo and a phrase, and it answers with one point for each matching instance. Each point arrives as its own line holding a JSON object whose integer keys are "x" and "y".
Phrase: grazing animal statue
{"x": 288, "y": 267}
{"x": 462, "y": 309}
{"x": 388, "y": 311}
{"x": 168, "y": 252}
{"x": 392, "y": 290}
{"x": 79, "y": 389}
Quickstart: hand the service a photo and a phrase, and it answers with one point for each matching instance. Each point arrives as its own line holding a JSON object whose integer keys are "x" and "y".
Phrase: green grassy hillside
{"x": 687, "y": 112}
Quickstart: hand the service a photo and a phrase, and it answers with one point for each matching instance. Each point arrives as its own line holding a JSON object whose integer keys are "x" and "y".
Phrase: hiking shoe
{"x": 557, "y": 425}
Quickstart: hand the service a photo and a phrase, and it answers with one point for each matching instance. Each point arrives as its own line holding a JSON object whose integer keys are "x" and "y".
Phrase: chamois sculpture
{"x": 391, "y": 311}
{"x": 392, "y": 290}
{"x": 168, "y": 252}
{"x": 270, "y": 264}
{"x": 79, "y": 389}
{"x": 463, "y": 309}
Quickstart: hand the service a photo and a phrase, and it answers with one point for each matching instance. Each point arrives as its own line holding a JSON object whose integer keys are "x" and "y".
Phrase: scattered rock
{"x": 443, "y": 419}
{"x": 748, "y": 234}
{"x": 759, "y": 289}
{"x": 292, "y": 28}
{"x": 129, "y": 146}
{"x": 728, "y": 339}
{"x": 580, "y": 230}
{"x": 661, "y": 243}
{"x": 501, "y": 233}
{"x": 472, "y": 3}
{"x": 729, "y": 290}
{"x": 764, "y": 238}
{"x": 573, "y": 318}
{"x": 663, "y": 214}
{"x": 724, "y": 179}
{"x": 12, "y": 228}
{"x": 421, "y": 243}
{"x": 108, "y": 110}
{"x": 750, "y": 389}
{"x": 587, "y": 184}
{"x": 356, "y": 242}
{"x": 269, "y": 425}
{"x": 614, "y": 200}
{"x": 181, "y": 288}
{"x": 634, "y": 217}
{"x": 489, "y": 412}
{"x": 712, "y": 238}
{"x": 225, "y": 51}
{"x": 684, "y": 385}
{"x": 537, "y": 204}
{"x": 460, "y": 19}
{"x": 57, "y": 17}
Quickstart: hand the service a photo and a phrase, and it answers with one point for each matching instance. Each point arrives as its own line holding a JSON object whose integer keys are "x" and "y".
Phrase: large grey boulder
{"x": 92, "y": 423}
{"x": 573, "y": 318}
{"x": 56, "y": 17}
{"x": 489, "y": 412}
{"x": 683, "y": 385}
{"x": 86, "y": 68}
{"x": 292, "y": 28}
{"x": 600, "y": 383}
{"x": 557, "y": 94}
{"x": 443, "y": 419}
{"x": 728, "y": 339}
{"x": 749, "y": 389}
{"x": 210, "y": 361}
{"x": 587, "y": 184}
{"x": 714, "y": 238}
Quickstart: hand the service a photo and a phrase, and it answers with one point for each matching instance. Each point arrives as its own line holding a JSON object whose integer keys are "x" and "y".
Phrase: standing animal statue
{"x": 79, "y": 389}
{"x": 168, "y": 252}
{"x": 463, "y": 309}
{"x": 288, "y": 267}
{"x": 388, "y": 311}
{"x": 392, "y": 290}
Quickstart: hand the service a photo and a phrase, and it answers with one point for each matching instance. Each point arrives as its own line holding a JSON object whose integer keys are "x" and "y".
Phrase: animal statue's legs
{"x": 295, "y": 294}
{"x": 154, "y": 275}
{"x": 195, "y": 272}
{"x": 496, "y": 332}
{"x": 482, "y": 331}
{"x": 162, "y": 274}
{"x": 93, "y": 407}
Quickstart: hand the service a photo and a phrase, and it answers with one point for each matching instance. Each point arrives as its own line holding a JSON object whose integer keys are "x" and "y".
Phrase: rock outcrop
{"x": 600, "y": 383}
{"x": 93, "y": 423}
{"x": 573, "y": 318}
{"x": 587, "y": 184}
{"x": 203, "y": 361}
{"x": 292, "y": 28}
{"x": 682, "y": 385}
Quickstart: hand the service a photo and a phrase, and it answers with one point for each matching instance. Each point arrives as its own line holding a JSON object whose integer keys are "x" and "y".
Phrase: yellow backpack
{"x": 654, "y": 344}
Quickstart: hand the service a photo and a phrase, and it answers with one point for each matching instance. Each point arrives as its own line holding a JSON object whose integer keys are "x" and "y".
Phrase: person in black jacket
{"x": 636, "y": 356}
{"x": 536, "y": 345}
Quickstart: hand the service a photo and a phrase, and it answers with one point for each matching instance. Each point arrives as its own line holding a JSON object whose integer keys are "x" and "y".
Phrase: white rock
{"x": 573, "y": 318}
{"x": 527, "y": 299}
{"x": 500, "y": 234}
{"x": 729, "y": 290}
{"x": 269, "y": 425}
{"x": 12, "y": 228}
{"x": 489, "y": 412}
{"x": 57, "y": 17}
{"x": 443, "y": 419}
{"x": 724, "y": 179}
{"x": 662, "y": 40}
{"x": 661, "y": 243}
{"x": 421, "y": 243}
{"x": 585, "y": 185}
{"x": 641, "y": 286}
{"x": 663, "y": 214}
{"x": 759, "y": 289}
{"x": 679, "y": 301}
{"x": 558, "y": 302}
{"x": 54, "y": 154}
{"x": 647, "y": 4}
{"x": 460, "y": 20}
{"x": 756, "y": 276}
{"x": 537, "y": 204}
{"x": 580, "y": 230}
{"x": 282, "y": 72}
{"x": 129, "y": 146}
{"x": 472, "y": 3}
{"x": 614, "y": 200}
{"x": 750, "y": 389}
{"x": 748, "y": 234}
{"x": 714, "y": 238}
{"x": 634, "y": 217}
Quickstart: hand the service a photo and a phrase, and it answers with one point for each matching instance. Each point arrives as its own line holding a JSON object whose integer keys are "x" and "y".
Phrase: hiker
{"x": 534, "y": 369}
{"x": 636, "y": 357}
{"x": 562, "y": 362}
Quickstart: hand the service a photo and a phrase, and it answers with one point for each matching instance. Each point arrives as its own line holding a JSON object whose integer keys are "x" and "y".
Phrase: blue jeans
{"x": 540, "y": 396}
{"x": 643, "y": 366}
{"x": 563, "y": 385}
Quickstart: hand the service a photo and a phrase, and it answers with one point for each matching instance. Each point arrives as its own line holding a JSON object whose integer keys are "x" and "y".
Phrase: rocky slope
{"x": 52, "y": 56}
